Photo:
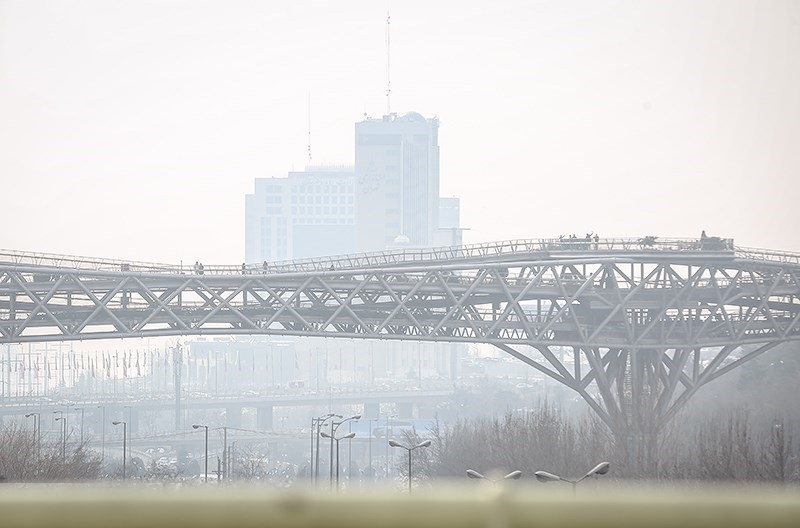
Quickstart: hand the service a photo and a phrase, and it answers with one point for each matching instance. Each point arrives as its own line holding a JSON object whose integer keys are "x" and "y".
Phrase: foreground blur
{"x": 456, "y": 506}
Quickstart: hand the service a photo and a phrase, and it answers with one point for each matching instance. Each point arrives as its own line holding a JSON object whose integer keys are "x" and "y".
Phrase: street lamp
{"x": 82, "y": 411}
{"x": 206, "y": 428}
{"x": 600, "y": 469}
{"x": 37, "y": 432}
{"x": 371, "y": 469}
{"x": 318, "y": 422}
{"x": 323, "y": 434}
{"x": 103, "y": 437}
{"x": 393, "y": 443}
{"x": 334, "y": 426}
{"x": 514, "y": 475}
{"x": 60, "y": 413}
{"x": 124, "y": 443}
{"x": 63, "y": 420}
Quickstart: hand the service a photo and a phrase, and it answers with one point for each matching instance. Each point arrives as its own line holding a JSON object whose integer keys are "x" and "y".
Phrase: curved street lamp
{"x": 334, "y": 426}
{"x": 394, "y": 443}
{"x": 103, "y": 437}
{"x": 196, "y": 426}
{"x": 600, "y": 469}
{"x": 81, "y": 409}
{"x": 323, "y": 434}
{"x": 124, "y": 443}
{"x": 514, "y": 475}
{"x": 37, "y": 432}
{"x": 318, "y": 422}
{"x": 63, "y": 420}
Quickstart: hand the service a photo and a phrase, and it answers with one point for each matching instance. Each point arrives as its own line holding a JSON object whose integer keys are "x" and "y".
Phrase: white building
{"x": 397, "y": 180}
{"x": 389, "y": 199}
{"x": 308, "y": 214}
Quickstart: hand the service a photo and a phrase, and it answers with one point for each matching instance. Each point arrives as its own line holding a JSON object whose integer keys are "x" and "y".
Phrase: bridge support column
{"x": 639, "y": 390}
{"x": 426, "y": 412}
{"x": 233, "y": 416}
{"x": 264, "y": 417}
{"x": 133, "y": 419}
{"x": 371, "y": 411}
{"x": 405, "y": 410}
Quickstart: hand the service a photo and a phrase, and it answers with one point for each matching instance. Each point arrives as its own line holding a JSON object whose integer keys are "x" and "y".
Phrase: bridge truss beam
{"x": 583, "y": 303}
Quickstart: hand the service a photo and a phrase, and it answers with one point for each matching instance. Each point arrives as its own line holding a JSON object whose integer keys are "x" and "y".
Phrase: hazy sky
{"x": 134, "y": 129}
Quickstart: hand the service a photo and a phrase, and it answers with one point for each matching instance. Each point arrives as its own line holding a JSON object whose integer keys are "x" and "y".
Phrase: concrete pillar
{"x": 405, "y": 410}
{"x": 233, "y": 416}
{"x": 133, "y": 421}
{"x": 371, "y": 411}
{"x": 426, "y": 412}
{"x": 264, "y": 417}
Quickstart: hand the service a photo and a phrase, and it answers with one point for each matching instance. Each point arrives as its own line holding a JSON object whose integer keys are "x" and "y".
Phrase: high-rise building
{"x": 396, "y": 181}
{"x": 389, "y": 199}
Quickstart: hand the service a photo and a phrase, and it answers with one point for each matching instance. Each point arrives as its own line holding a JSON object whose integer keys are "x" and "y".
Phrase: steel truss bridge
{"x": 644, "y": 322}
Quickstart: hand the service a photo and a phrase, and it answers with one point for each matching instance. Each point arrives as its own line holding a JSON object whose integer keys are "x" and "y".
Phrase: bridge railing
{"x": 510, "y": 248}
{"x": 26, "y": 258}
{"x": 524, "y": 248}
{"x": 766, "y": 254}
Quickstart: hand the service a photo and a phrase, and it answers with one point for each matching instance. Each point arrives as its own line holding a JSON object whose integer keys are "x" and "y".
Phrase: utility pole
{"x": 224, "y": 452}
{"x": 176, "y": 374}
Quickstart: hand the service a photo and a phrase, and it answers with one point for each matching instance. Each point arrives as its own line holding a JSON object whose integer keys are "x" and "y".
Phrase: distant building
{"x": 449, "y": 232}
{"x": 308, "y": 214}
{"x": 396, "y": 181}
{"x": 389, "y": 199}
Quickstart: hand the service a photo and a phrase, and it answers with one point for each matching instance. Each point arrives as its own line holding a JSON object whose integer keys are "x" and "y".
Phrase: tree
{"x": 20, "y": 462}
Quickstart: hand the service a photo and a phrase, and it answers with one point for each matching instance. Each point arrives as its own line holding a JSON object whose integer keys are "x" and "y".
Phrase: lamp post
{"x": 318, "y": 422}
{"x": 326, "y": 435}
{"x": 103, "y": 434}
{"x": 124, "y": 444}
{"x": 196, "y": 426}
{"x": 393, "y": 443}
{"x": 388, "y": 434}
{"x": 63, "y": 420}
{"x": 334, "y": 426}
{"x": 61, "y": 430}
{"x": 371, "y": 469}
{"x": 37, "y": 433}
{"x": 600, "y": 469}
{"x": 82, "y": 412}
{"x": 224, "y": 475}
{"x": 514, "y": 475}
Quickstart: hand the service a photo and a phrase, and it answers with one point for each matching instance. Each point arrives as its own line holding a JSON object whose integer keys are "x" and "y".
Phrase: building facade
{"x": 389, "y": 199}
{"x": 396, "y": 181}
{"x": 308, "y": 214}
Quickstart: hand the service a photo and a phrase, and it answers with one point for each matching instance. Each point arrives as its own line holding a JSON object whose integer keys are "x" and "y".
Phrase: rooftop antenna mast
{"x": 309, "y": 128}
{"x": 388, "y": 67}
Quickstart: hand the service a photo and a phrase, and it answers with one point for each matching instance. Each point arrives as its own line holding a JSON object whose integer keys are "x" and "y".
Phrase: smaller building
{"x": 309, "y": 214}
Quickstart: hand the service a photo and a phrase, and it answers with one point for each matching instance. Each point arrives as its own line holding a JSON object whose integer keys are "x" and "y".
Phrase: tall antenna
{"x": 388, "y": 67}
{"x": 309, "y": 128}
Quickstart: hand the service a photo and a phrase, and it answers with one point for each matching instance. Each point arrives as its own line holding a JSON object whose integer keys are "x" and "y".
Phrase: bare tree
{"x": 20, "y": 460}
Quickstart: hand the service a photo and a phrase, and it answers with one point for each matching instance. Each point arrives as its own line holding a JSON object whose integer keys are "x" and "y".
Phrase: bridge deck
{"x": 496, "y": 252}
